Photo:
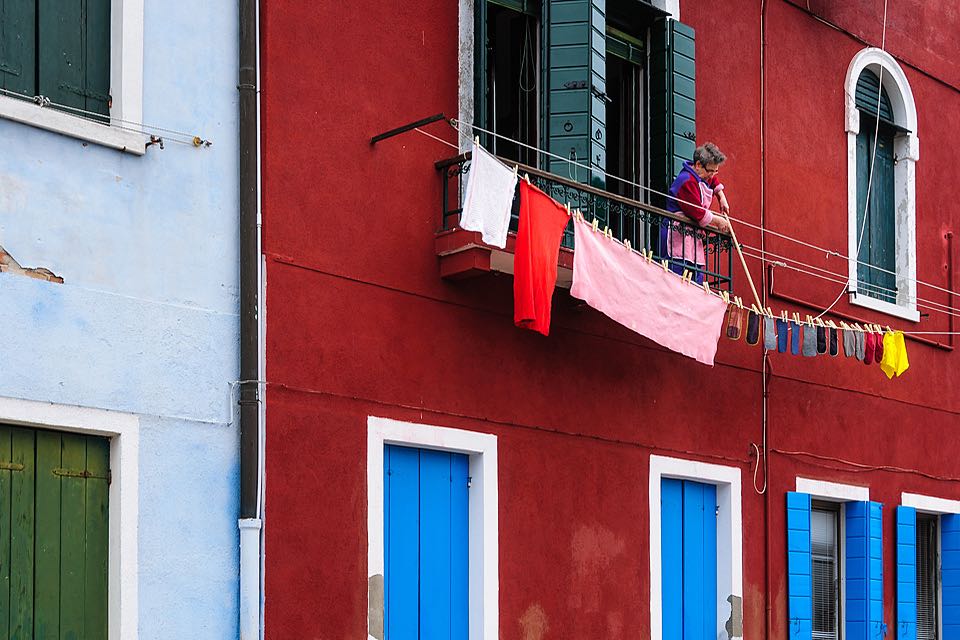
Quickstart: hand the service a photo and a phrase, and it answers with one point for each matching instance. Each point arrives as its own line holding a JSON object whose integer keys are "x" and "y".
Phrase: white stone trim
{"x": 123, "y": 429}
{"x": 126, "y": 89}
{"x": 907, "y": 150}
{"x": 483, "y": 507}
{"x": 465, "y": 61}
{"x": 833, "y": 491}
{"x": 729, "y": 534}
{"x": 929, "y": 504}
{"x": 670, "y": 6}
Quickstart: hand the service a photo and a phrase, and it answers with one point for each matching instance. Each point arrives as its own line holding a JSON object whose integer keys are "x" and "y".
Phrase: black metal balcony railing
{"x": 640, "y": 223}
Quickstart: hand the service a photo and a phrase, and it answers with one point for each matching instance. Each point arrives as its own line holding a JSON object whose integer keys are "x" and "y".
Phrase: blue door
{"x": 425, "y": 544}
{"x": 688, "y": 516}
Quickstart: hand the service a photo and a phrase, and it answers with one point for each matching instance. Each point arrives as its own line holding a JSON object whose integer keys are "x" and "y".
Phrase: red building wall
{"x": 360, "y": 324}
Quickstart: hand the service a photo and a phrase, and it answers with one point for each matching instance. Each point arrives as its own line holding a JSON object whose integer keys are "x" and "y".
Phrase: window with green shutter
{"x": 53, "y": 534}
{"x": 876, "y": 271}
{"x": 60, "y": 50}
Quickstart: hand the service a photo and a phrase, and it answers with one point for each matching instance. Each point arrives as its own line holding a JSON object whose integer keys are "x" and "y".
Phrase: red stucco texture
{"x": 360, "y": 324}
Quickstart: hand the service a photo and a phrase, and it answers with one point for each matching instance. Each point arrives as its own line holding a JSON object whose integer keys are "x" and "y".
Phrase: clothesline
{"x": 459, "y": 126}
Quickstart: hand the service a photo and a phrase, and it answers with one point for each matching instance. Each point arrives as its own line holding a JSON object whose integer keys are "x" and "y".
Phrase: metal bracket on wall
{"x": 10, "y": 466}
{"x": 407, "y": 127}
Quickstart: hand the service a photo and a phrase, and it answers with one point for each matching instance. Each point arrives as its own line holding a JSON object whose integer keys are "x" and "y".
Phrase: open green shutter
{"x": 18, "y": 71}
{"x": 74, "y": 53}
{"x": 576, "y": 88}
{"x": 673, "y": 128}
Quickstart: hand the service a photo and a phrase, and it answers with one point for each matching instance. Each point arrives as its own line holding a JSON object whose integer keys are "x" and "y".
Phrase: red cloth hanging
{"x": 542, "y": 221}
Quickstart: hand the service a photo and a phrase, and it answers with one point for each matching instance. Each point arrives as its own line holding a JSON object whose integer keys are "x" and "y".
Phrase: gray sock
{"x": 849, "y": 343}
{"x": 809, "y": 340}
{"x": 861, "y": 345}
{"x": 769, "y": 334}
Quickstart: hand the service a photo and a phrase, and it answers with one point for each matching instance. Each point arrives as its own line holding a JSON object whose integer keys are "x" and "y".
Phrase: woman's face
{"x": 706, "y": 170}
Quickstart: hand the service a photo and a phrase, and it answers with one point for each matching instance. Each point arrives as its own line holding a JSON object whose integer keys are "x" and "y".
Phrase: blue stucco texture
{"x": 146, "y": 321}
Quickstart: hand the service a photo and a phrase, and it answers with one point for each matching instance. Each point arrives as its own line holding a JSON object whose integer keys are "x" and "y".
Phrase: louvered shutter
{"x": 906, "y": 573}
{"x": 673, "y": 128}
{"x": 864, "y": 577}
{"x": 576, "y": 88}
{"x": 18, "y": 46}
{"x": 867, "y": 92}
{"x": 799, "y": 583}
{"x": 74, "y": 53}
{"x": 950, "y": 575}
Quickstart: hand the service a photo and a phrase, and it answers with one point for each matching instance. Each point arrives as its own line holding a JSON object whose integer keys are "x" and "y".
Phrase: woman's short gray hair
{"x": 708, "y": 153}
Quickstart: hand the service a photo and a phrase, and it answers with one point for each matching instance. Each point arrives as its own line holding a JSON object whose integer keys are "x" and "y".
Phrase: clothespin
{"x": 626, "y": 243}
{"x": 683, "y": 276}
{"x": 526, "y": 177}
{"x": 820, "y": 322}
{"x": 831, "y": 324}
{"x": 596, "y": 224}
{"x": 726, "y": 296}
{"x": 857, "y": 327}
{"x": 889, "y": 329}
{"x": 844, "y": 326}
{"x": 796, "y": 317}
{"x": 769, "y": 312}
{"x": 516, "y": 169}
{"x": 568, "y": 208}
{"x": 665, "y": 265}
{"x": 738, "y": 301}
{"x": 783, "y": 315}
{"x": 755, "y": 309}
{"x": 706, "y": 287}
{"x": 476, "y": 140}
{"x": 648, "y": 255}
{"x": 809, "y": 320}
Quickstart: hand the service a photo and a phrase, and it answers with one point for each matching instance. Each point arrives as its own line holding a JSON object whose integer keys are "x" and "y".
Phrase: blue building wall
{"x": 147, "y": 319}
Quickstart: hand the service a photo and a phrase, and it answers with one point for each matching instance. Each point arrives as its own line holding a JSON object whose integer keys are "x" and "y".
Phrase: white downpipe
{"x": 250, "y": 578}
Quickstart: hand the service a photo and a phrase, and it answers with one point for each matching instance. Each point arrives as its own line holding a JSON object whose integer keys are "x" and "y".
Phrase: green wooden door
{"x": 576, "y": 88}
{"x": 877, "y": 257}
{"x": 673, "y": 124}
{"x": 53, "y": 534}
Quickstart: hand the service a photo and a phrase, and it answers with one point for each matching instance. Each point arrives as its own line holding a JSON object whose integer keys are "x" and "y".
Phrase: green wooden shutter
{"x": 868, "y": 89}
{"x": 878, "y": 244}
{"x": 576, "y": 88}
{"x": 18, "y": 71}
{"x": 673, "y": 127}
{"x": 53, "y": 534}
{"x": 74, "y": 53}
{"x": 480, "y": 88}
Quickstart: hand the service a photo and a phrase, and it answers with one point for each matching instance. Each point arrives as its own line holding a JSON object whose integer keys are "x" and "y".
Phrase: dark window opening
{"x": 927, "y": 588}
{"x": 825, "y": 557}
{"x": 513, "y": 82}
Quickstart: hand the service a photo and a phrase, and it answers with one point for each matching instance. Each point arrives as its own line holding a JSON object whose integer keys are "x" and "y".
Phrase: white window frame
{"x": 126, "y": 88}
{"x": 729, "y": 535}
{"x": 907, "y": 150}
{"x": 826, "y": 491}
{"x": 483, "y": 526}
{"x": 123, "y": 429}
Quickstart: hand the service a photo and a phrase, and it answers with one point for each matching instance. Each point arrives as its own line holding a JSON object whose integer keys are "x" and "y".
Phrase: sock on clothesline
{"x": 849, "y": 343}
{"x": 769, "y": 334}
{"x": 734, "y": 322}
{"x": 870, "y": 348}
{"x": 821, "y": 339}
{"x": 794, "y": 338}
{"x": 782, "y": 336}
{"x": 834, "y": 347}
{"x": 809, "y": 340}
{"x": 861, "y": 345}
{"x": 753, "y": 328}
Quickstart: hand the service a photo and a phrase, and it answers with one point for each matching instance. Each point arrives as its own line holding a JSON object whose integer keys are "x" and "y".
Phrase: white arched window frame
{"x": 906, "y": 154}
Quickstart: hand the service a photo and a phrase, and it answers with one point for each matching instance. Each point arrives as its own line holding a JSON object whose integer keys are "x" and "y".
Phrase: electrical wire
{"x": 44, "y": 102}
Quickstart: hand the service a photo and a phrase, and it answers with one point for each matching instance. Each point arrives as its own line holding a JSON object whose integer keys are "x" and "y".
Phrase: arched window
{"x": 882, "y": 149}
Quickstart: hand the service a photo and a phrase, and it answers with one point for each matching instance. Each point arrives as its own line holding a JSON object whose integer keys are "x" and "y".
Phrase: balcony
{"x": 463, "y": 254}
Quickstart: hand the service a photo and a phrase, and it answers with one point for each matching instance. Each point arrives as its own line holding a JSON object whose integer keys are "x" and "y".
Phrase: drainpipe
{"x": 249, "y": 386}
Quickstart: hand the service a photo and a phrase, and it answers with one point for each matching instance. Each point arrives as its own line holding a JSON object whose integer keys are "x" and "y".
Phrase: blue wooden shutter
{"x": 950, "y": 575}
{"x": 799, "y": 569}
{"x": 576, "y": 82}
{"x": 699, "y": 560}
{"x": 425, "y": 550}
{"x": 673, "y": 127}
{"x": 671, "y": 557}
{"x": 864, "y": 577}
{"x": 906, "y": 573}
{"x": 18, "y": 46}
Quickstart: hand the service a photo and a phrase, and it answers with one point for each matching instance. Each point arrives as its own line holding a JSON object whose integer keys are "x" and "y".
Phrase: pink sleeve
{"x": 688, "y": 199}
